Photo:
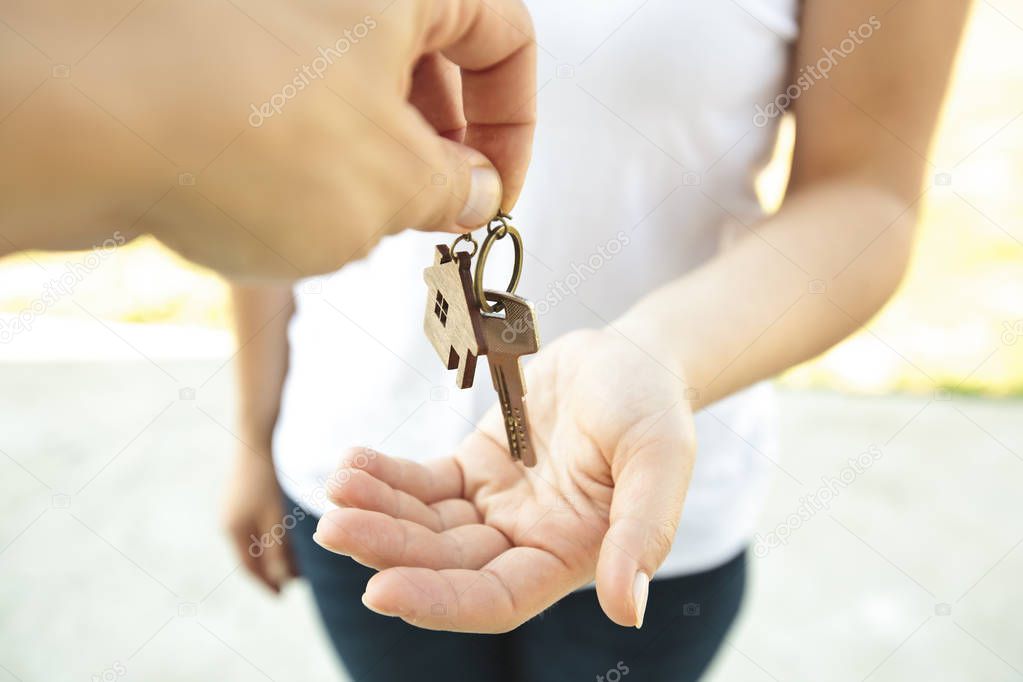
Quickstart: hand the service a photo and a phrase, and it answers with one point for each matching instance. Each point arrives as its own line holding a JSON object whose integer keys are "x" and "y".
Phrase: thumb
{"x": 469, "y": 193}
{"x": 461, "y": 189}
{"x": 649, "y": 489}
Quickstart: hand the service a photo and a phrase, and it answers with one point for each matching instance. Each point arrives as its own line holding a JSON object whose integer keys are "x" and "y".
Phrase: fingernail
{"x": 484, "y": 197}
{"x": 640, "y": 590}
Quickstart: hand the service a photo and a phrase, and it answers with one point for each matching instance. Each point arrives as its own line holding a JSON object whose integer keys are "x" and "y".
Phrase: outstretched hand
{"x": 476, "y": 542}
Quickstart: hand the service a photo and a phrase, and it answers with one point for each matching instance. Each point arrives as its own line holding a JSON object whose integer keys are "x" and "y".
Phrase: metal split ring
{"x": 501, "y": 230}
{"x": 494, "y": 234}
{"x": 466, "y": 237}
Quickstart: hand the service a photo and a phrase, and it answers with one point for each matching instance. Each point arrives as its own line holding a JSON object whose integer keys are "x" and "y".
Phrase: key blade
{"x": 511, "y": 334}
{"x": 507, "y": 378}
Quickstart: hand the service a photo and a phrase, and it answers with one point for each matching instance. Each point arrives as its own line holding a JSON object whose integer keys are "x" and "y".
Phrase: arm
{"x": 261, "y": 315}
{"x": 307, "y": 150}
{"x": 848, "y": 220}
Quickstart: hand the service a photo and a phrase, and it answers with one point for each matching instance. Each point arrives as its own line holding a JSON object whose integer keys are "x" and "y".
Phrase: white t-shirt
{"x": 646, "y": 142}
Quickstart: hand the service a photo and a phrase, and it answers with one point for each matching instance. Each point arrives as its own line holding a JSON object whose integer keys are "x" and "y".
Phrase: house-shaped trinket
{"x": 453, "y": 321}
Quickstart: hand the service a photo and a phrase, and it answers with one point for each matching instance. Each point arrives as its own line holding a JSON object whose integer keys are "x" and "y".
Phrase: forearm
{"x": 261, "y": 316}
{"x": 789, "y": 289}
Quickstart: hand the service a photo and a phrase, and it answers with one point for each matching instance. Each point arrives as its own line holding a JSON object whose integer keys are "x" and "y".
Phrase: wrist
{"x": 651, "y": 332}
{"x": 255, "y": 443}
{"x": 253, "y": 464}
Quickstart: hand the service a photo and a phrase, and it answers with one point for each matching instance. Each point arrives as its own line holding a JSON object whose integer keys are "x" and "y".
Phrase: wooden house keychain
{"x": 463, "y": 321}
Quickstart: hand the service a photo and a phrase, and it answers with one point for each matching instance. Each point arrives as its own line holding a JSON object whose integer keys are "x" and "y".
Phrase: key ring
{"x": 501, "y": 231}
{"x": 465, "y": 237}
{"x": 493, "y": 234}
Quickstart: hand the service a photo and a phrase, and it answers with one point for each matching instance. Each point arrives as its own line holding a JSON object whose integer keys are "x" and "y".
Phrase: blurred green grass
{"x": 952, "y": 326}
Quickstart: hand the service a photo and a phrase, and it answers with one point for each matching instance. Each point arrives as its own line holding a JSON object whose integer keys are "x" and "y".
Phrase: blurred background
{"x": 115, "y": 435}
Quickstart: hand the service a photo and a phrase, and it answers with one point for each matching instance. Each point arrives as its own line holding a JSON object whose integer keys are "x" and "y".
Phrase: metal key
{"x": 510, "y": 334}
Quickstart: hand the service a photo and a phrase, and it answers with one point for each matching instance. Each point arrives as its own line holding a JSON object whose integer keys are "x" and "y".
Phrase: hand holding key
{"x": 477, "y": 542}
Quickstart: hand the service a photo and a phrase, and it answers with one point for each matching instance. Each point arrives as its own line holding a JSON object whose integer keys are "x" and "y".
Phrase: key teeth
{"x": 524, "y": 452}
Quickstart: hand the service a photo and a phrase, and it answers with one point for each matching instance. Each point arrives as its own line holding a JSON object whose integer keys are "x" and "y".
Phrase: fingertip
{"x": 342, "y": 487}
{"x": 616, "y": 603}
{"x": 336, "y": 482}
{"x": 357, "y": 457}
{"x": 277, "y": 569}
{"x": 329, "y": 532}
{"x": 370, "y": 604}
{"x": 261, "y": 574}
{"x": 617, "y": 606}
{"x": 617, "y": 585}
{"x": 484, "y": 196}
{"x": 355, "y": 487}
{"x": 463, "y": 192}
{"x": 382, "y": 595}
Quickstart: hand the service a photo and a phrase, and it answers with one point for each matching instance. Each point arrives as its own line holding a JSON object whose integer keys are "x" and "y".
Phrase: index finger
{"x": 493, "y": 42}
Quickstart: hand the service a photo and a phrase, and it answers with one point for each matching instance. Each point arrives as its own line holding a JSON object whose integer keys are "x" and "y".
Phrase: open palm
{"x": 477, "y": 542}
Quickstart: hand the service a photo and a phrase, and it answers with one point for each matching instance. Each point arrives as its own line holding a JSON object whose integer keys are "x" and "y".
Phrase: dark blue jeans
{"x": 686, "y": 621}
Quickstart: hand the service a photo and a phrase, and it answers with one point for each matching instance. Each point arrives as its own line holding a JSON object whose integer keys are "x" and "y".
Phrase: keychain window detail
{"x": 440, "y": 309}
